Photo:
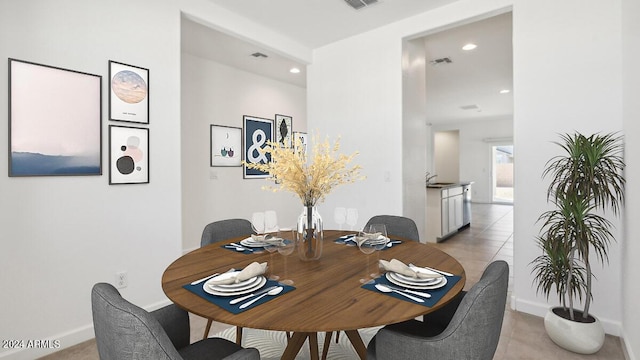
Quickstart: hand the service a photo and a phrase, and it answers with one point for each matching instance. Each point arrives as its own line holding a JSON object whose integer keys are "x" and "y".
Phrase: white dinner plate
{"x": 257, "y": 286}
{"x": 229, "y": 275}
{"x": 380, "y": 240}
{"x": 236, "y": 287}
{"x": 249, "y": 242}
{"x": 419, "y": 281}
{"x": 391, "y": 276}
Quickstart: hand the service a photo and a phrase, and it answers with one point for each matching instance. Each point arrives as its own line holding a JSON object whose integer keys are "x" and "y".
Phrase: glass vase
{"x": 310, "y": 235}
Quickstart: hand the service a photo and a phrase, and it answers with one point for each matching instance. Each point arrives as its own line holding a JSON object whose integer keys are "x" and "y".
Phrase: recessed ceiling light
{"x": 505, "y": 91}
{"x": 469, "y": 46}
{"x": 294, "y": 70}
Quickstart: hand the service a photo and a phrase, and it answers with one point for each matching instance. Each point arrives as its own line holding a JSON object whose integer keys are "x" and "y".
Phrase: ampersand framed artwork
{"x": 256, "y": 133}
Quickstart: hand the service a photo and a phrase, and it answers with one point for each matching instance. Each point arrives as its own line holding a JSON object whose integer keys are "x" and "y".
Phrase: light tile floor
{"x": 490, "y": 237}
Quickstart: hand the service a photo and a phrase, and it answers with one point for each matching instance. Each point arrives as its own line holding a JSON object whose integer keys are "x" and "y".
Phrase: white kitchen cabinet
{"x": 444, "y": 212}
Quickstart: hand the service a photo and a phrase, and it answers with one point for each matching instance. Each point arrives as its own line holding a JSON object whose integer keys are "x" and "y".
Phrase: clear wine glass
{"x": 257, "y": 223}
{"x": 286, "y": 248}
{"x": 271, "y": 246}
{"x": 378, "y": 239}
{"x": 352, "y": 217}
{"x": 364, "y": 244}
{"x": 340, "y": 216}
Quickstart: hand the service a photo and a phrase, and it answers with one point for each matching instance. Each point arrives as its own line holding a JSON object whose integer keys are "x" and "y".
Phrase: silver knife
{"x": 203, "y": 279}
{"x": 419, "y": 293}
{"x": 434, "y": 270}
{"x": 237, "y": 300}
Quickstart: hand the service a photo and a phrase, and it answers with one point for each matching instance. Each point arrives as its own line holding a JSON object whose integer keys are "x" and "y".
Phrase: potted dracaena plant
{"x": 586, "y": 182}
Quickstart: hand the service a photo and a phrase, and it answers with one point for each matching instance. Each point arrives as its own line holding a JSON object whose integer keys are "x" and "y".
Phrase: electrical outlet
{"x": 121, "y": 280}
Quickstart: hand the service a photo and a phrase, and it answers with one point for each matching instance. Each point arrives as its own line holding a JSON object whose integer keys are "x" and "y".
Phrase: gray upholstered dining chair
{"x": 397, "y": 225}
{"x": 126, "y": 331}
{"x": 466, "y": 328}
{"x": 223, "y": 230}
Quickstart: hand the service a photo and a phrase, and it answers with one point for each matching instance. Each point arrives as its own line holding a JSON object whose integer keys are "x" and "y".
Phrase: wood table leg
{"x": 294, "y": 345}
{"x": 327, "y": 343}
{"x": 239, "y": 335}
{"x": 313, "y": 346}
{"x": 358, "y": 344}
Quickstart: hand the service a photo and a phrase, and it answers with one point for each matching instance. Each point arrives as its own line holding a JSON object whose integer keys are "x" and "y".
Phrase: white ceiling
{"x": 473, "y": 78}
{"x": 314, "y": 23}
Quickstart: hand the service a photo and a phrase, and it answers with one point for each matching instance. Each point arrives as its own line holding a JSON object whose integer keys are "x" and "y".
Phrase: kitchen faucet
{"x": 429, "y": 177}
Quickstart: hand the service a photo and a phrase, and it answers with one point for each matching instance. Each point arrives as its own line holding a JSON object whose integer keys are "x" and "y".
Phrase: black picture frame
{"x": 129, "y": 159}
{"x": 128, "y": 93}
{"x": 55, "y": 121}
{"x": 256, "y": 132}
{"x": 225, "y": 147}
{"x": 283, "y": 129}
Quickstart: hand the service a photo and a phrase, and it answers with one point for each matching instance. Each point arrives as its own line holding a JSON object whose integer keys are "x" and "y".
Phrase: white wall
{"x": 60, "y": 235}
{"x": 566, "y": 77}
{"x": 414, "y": 130}
{"x": 582, "y": 92}
{"x": 446, "y": 154}
{"x": 217, "y": 94}
{"x": 631, "y": 248}
{"x": 476, "y": 154}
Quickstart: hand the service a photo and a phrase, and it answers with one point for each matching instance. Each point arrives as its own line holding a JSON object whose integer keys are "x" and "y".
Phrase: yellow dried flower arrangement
{"x": 313, "y": 181}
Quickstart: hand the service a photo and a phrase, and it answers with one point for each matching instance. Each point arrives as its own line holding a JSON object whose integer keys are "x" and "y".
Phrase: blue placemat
{"x": 345, "y": 239}
{"x": 223, "y": 301}
{"x": 349, "y": 241}
{"x": 436, "y": 294}
{"x": 248, "y": 251}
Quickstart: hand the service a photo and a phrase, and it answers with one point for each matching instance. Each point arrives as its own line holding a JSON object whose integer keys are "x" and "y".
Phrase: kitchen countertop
{"x": 447, "y": 185}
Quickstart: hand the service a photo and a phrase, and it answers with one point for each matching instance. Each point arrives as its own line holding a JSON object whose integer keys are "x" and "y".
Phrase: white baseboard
{"x": 540, "y": 309}
{"x": 628, "y": 351}
{"x": 66, "y": 340}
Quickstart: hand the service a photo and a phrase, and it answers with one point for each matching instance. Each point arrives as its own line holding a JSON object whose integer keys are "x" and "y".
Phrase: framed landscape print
{"x": 128, "y": 155}
{"x": 128, "y": 93}
{"x": 257, "y": 132}
{"x": 283, "y": 130}
{"x": 226, "y": 145}
{"x": 55, "y": 121}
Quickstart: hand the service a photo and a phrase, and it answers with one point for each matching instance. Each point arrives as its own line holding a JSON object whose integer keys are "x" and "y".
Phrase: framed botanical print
{"x": 55, "y": 121}
{"x": 226, "y": 145}
{"x": 256, "y": 133}
{"x": 128, "y": 93}
{"x": 302, "y": 138}
{"x": 128, "y": 155}
{"x": 283, "y": 130}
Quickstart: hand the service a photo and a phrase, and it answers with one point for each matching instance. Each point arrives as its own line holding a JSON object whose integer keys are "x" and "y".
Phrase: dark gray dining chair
{"x": 467, "y": 328}
{"x": 125, "y": 331}
{"x": 397, "y": 226}
{"x": 222, "y": 230}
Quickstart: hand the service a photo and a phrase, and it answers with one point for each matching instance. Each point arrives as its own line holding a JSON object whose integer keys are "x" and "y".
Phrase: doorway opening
{"x": 502, "y": 177}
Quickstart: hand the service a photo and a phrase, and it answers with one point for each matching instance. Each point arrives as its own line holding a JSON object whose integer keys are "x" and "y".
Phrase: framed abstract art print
{"x": 256, "y": 133}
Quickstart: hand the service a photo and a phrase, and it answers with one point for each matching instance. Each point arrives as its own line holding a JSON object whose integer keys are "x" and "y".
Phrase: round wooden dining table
{"x": 328, "y": 295}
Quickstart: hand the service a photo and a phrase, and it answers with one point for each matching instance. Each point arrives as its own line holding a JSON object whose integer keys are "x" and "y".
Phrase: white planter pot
{"x": 581, "y": 338}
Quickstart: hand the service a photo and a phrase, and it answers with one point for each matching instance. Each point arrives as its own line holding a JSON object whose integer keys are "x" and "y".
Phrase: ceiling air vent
{"x": 441, "y": 61}
{"x": 469, "y": 107}
{"x": 359, "y": 4}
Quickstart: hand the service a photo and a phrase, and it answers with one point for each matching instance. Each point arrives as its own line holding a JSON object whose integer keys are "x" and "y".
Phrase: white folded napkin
{"x": 257, "y": 238}
{"x": 399, "y": 267}
{"x": 251, "y": 270}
